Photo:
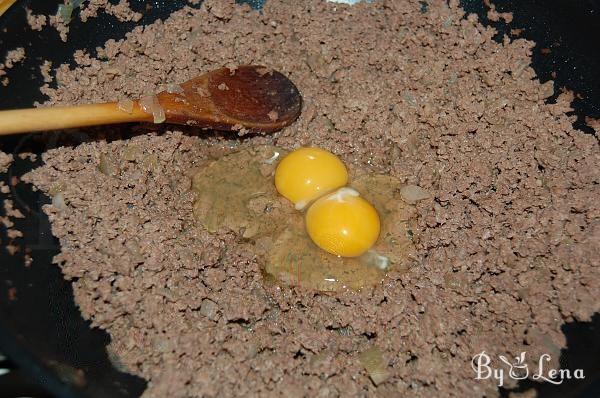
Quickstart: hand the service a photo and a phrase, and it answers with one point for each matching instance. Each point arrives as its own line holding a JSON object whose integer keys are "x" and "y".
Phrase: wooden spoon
{"x": 251, "y": 97}
{"x": 5, "y": 5}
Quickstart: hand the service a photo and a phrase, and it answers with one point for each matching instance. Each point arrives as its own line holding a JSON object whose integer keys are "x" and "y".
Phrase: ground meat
{"x": 10, "y": 211}
{"x": 28, "y": 155}
{"x": 7, "y": 221}
{"x": 12, "y": 58}
{"x": 36, "y": 22}
{"x": 506, "y": 247}
{"x": 45, "y": 70}
{"x": 495, "y": 16}
{"x": 122, "y": 10}
{"x": 61, "y": 26}
{"x": 593, "y": 123}
{"x": 6, "y": 160}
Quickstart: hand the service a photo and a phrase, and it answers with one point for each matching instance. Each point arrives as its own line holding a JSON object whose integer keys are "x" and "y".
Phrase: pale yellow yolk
{"x": 343, "y": 223}
{"x": 308, "y": 173}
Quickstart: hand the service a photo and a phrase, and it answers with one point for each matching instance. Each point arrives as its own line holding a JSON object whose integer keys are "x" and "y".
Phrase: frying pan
{"x": 54, "y": 352}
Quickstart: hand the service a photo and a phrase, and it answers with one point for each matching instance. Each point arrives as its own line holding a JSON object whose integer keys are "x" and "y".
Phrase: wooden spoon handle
{"x": 53, "y": 118}
{"x": 5, "y": 5}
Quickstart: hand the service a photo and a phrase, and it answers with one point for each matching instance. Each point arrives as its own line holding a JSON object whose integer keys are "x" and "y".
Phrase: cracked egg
{"x": 237, "y": 193}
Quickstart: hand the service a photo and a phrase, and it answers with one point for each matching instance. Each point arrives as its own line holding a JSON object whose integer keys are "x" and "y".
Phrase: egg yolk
{"x": 308, "y": 173}
{"x": 343, "y": 223}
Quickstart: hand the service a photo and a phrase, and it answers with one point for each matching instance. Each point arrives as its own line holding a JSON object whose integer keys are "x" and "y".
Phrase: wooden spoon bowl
{"x": 253, "y": 97}
{"x": 250, "y": 97}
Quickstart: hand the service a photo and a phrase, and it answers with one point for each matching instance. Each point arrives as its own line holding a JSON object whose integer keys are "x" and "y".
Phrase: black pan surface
{"x": 54, "y": 351}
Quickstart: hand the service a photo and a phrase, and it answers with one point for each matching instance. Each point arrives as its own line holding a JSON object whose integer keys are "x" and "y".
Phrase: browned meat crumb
{"x": 232, "y": 69}
{"x": 496, "y": 16}
{"x": 493, "y": 15}
{"x": 264, "y": 71}
{"x": 121, "y": 10}
{"x": 6, "y": 160}
{"x": 516, "y": 32}
{"x": 593, "y": 123}
{"x": 507, "y": 16}
{"x": 6, "y": 222}
{"x": 12, "y": 249}
{"x": 45, "y": 70}
{"x": 507, "y": 249}
{"x": 12, "y": 293}
{"x": 28, "y": 155}
{"x": 241, "y": 130}
{"x": 89, "y": 9}
{"x": 10, "y": 211}
{"x": 36, "y": 22}
{"x": 13, "y": 233}
{"x": 12, "y": 58}
{"x": 61, "y": 26}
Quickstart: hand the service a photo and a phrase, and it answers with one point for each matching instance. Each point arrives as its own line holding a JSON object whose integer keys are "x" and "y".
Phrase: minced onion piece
{"x": 272, "y": 158}
{"x": 209, "y": 309}
{"x": 125, "y": 105}
{"x": 174, "y": 89}
{"x": 108, "y": 165}
{"x": 58, "y": 201}
{"x": 374, "y": 364}
{"x": 150, "y": 105}
{"x": 374, "y": 259}
{"x": 65, "y": 11}
{"x": 413, "y": 193}
{"x": 202, "y": 92}
{"x": 77, "y": 3}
